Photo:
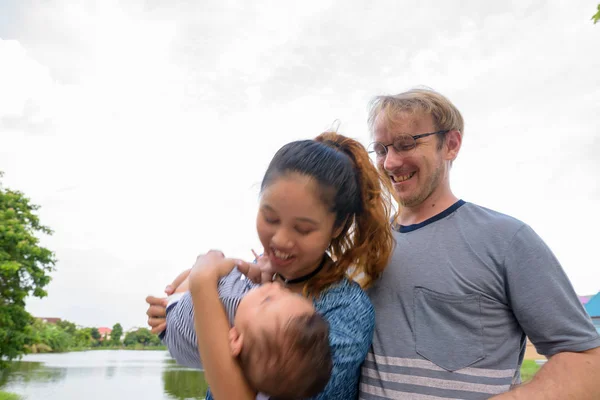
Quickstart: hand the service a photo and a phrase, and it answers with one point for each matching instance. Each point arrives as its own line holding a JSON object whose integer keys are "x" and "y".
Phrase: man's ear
{"x": 452, "y": 143}
{"x": 235, "y": 342}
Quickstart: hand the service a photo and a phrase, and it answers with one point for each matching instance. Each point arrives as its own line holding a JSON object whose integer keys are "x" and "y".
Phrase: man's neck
{"x": 432, "y": 206}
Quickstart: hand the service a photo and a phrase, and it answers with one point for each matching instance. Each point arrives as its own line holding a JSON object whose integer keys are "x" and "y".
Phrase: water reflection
{"x": 110, "y": 372}
{"x": 182, "y": 383}
{"x": 22, "y": 372}
{"x": 95, "y": 375}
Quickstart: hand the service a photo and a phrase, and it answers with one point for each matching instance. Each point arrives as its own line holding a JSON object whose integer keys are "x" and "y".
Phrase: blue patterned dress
{"x": 351, "y": 320}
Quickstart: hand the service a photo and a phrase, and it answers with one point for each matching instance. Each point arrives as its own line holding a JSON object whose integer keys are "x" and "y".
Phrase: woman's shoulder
{"x": 345, "y": 300}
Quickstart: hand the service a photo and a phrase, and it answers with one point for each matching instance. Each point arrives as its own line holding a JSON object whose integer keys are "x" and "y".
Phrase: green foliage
{"x": 115, "y": 335}
{"x": 9, "y": 396}
{"x": 83, "y": 338}
{"x": 95, "y": 334}
{"x": 528, "y": 370}
{"x": 42, "y": 337}
{"x": 24, "y": 268}
{"x": 68, "y": 327}
{"x": 50, "y": 335}
{"x": 596, "y": 16}
{"x": 60, "y": 337}
{"x": 141, "y": 336}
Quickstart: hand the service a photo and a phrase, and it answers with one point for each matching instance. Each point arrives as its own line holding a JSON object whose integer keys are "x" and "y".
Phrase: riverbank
{"x": 136, "y": 347}
{"x": 97, "y": 348}
{"x": 9, "y": 396}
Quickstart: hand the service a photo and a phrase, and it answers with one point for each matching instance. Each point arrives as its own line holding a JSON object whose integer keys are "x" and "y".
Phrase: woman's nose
{"x": 281, "y": 240}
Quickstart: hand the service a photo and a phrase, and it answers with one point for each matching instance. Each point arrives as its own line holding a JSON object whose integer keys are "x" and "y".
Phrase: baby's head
{"x": 282, "y": 343}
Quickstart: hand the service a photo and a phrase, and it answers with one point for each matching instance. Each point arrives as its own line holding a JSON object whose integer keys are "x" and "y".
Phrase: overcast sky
{"x": 143, "y": 128}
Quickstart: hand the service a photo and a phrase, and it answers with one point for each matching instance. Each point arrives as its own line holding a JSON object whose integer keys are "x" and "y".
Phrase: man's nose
{"x": 393, "y": 160}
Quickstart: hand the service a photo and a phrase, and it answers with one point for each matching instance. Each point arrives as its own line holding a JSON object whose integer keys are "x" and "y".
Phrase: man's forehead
{"x": 401, "y": 122}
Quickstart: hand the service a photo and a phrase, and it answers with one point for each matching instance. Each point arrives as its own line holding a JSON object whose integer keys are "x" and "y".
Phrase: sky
{"x": 143, "y": 128}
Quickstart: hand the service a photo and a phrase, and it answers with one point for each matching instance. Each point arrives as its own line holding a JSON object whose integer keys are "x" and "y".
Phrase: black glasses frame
{"x": 415, "y": 137}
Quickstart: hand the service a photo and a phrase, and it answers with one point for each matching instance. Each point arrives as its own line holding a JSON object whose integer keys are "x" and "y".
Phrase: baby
{"x": 282, "y": 344}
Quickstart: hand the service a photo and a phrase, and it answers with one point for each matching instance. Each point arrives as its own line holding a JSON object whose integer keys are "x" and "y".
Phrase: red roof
{"x": 104, "y": 330}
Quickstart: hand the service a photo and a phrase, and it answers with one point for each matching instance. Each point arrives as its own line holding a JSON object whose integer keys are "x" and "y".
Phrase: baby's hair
{"x": 296, "y": 360}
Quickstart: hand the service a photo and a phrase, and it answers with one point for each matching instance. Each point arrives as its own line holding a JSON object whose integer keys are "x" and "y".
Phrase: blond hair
{"x": 445, "y": 115}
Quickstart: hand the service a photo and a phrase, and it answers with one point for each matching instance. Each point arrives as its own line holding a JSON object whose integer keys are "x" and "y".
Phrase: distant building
{"x": 104, "y": 333}
{"x": 593, "y": 308}
{"x": 584, "y": 299}
{"x": 49, "y": 320}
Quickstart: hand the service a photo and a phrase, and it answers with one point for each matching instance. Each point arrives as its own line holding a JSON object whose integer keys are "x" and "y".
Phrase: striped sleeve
{"x": 180, "y": 336}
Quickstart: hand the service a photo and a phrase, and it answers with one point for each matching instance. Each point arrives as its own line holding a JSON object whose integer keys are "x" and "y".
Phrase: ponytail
{"x": 365, "y": 244}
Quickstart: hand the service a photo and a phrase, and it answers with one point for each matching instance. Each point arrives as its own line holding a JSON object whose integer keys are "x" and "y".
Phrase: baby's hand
{"x": 258, "y": 272}
{"x": 212, "y": 265}
{"x": 180, "y": 284}
{"x": 266, "y": 271}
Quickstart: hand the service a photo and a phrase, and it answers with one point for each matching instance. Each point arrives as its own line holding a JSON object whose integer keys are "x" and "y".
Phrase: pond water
{"x": 102, "y": 375}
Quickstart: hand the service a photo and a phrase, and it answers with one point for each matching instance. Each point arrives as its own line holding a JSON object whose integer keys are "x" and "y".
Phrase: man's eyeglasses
{"x": 402, "y": 143}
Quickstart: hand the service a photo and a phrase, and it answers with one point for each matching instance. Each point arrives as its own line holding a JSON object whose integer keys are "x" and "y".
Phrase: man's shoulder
{"x": 491, "y": 220}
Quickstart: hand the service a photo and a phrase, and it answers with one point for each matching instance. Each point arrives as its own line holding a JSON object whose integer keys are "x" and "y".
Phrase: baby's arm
{"x": 180, "y": 336}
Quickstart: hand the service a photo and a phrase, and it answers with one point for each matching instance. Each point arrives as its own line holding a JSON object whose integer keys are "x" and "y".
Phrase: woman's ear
{"x": 235, "y": 342}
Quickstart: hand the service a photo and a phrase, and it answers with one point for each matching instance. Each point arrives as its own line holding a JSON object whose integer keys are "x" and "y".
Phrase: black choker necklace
{"x": 302, "y": 278}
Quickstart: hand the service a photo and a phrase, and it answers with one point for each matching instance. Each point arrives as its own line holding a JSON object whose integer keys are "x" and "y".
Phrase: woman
{"x": 323, "y": 221}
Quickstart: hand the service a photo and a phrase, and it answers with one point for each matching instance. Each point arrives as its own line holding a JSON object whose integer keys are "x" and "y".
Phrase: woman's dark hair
{"x": 352, "y": 188}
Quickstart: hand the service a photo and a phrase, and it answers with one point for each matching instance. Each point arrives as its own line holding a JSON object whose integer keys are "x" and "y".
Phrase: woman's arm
{"x": 221, "y": 369}
{"x": 352, "y": 321}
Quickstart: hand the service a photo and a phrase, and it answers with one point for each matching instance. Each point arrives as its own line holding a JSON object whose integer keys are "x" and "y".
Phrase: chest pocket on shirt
{"x": 448, "y": 328}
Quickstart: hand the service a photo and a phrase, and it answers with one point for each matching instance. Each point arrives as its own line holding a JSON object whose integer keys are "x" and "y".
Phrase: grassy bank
{"x": 9, "y": 396}
{"x": 528, "y": 370}
{"x": 135, "y": 347}
{"x": 79, "y": 348}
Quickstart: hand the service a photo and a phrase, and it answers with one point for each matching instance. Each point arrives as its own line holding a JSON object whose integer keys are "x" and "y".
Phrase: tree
{"x": 24, "y": 269}
{"x": 83, "y": 337}
{"x": 596, "y": 16}
{"x": 67, "y": 326}
{"x": 115, "y": 335}
{"x": 95, "y": 334}
{"x": 141, "y": 336}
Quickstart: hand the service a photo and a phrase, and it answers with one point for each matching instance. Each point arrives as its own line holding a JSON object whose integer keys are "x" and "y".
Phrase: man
{"x": 465, "y": 285}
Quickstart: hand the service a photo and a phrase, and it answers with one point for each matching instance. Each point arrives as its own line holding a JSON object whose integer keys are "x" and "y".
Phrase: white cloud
{"x": 143, "y": 129}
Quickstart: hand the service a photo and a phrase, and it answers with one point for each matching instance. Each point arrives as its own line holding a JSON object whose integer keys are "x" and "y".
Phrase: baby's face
{"x": 269, "y": 307}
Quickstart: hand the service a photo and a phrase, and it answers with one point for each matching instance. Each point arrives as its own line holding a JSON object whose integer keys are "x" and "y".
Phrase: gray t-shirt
{"x": 453, "y": 308}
